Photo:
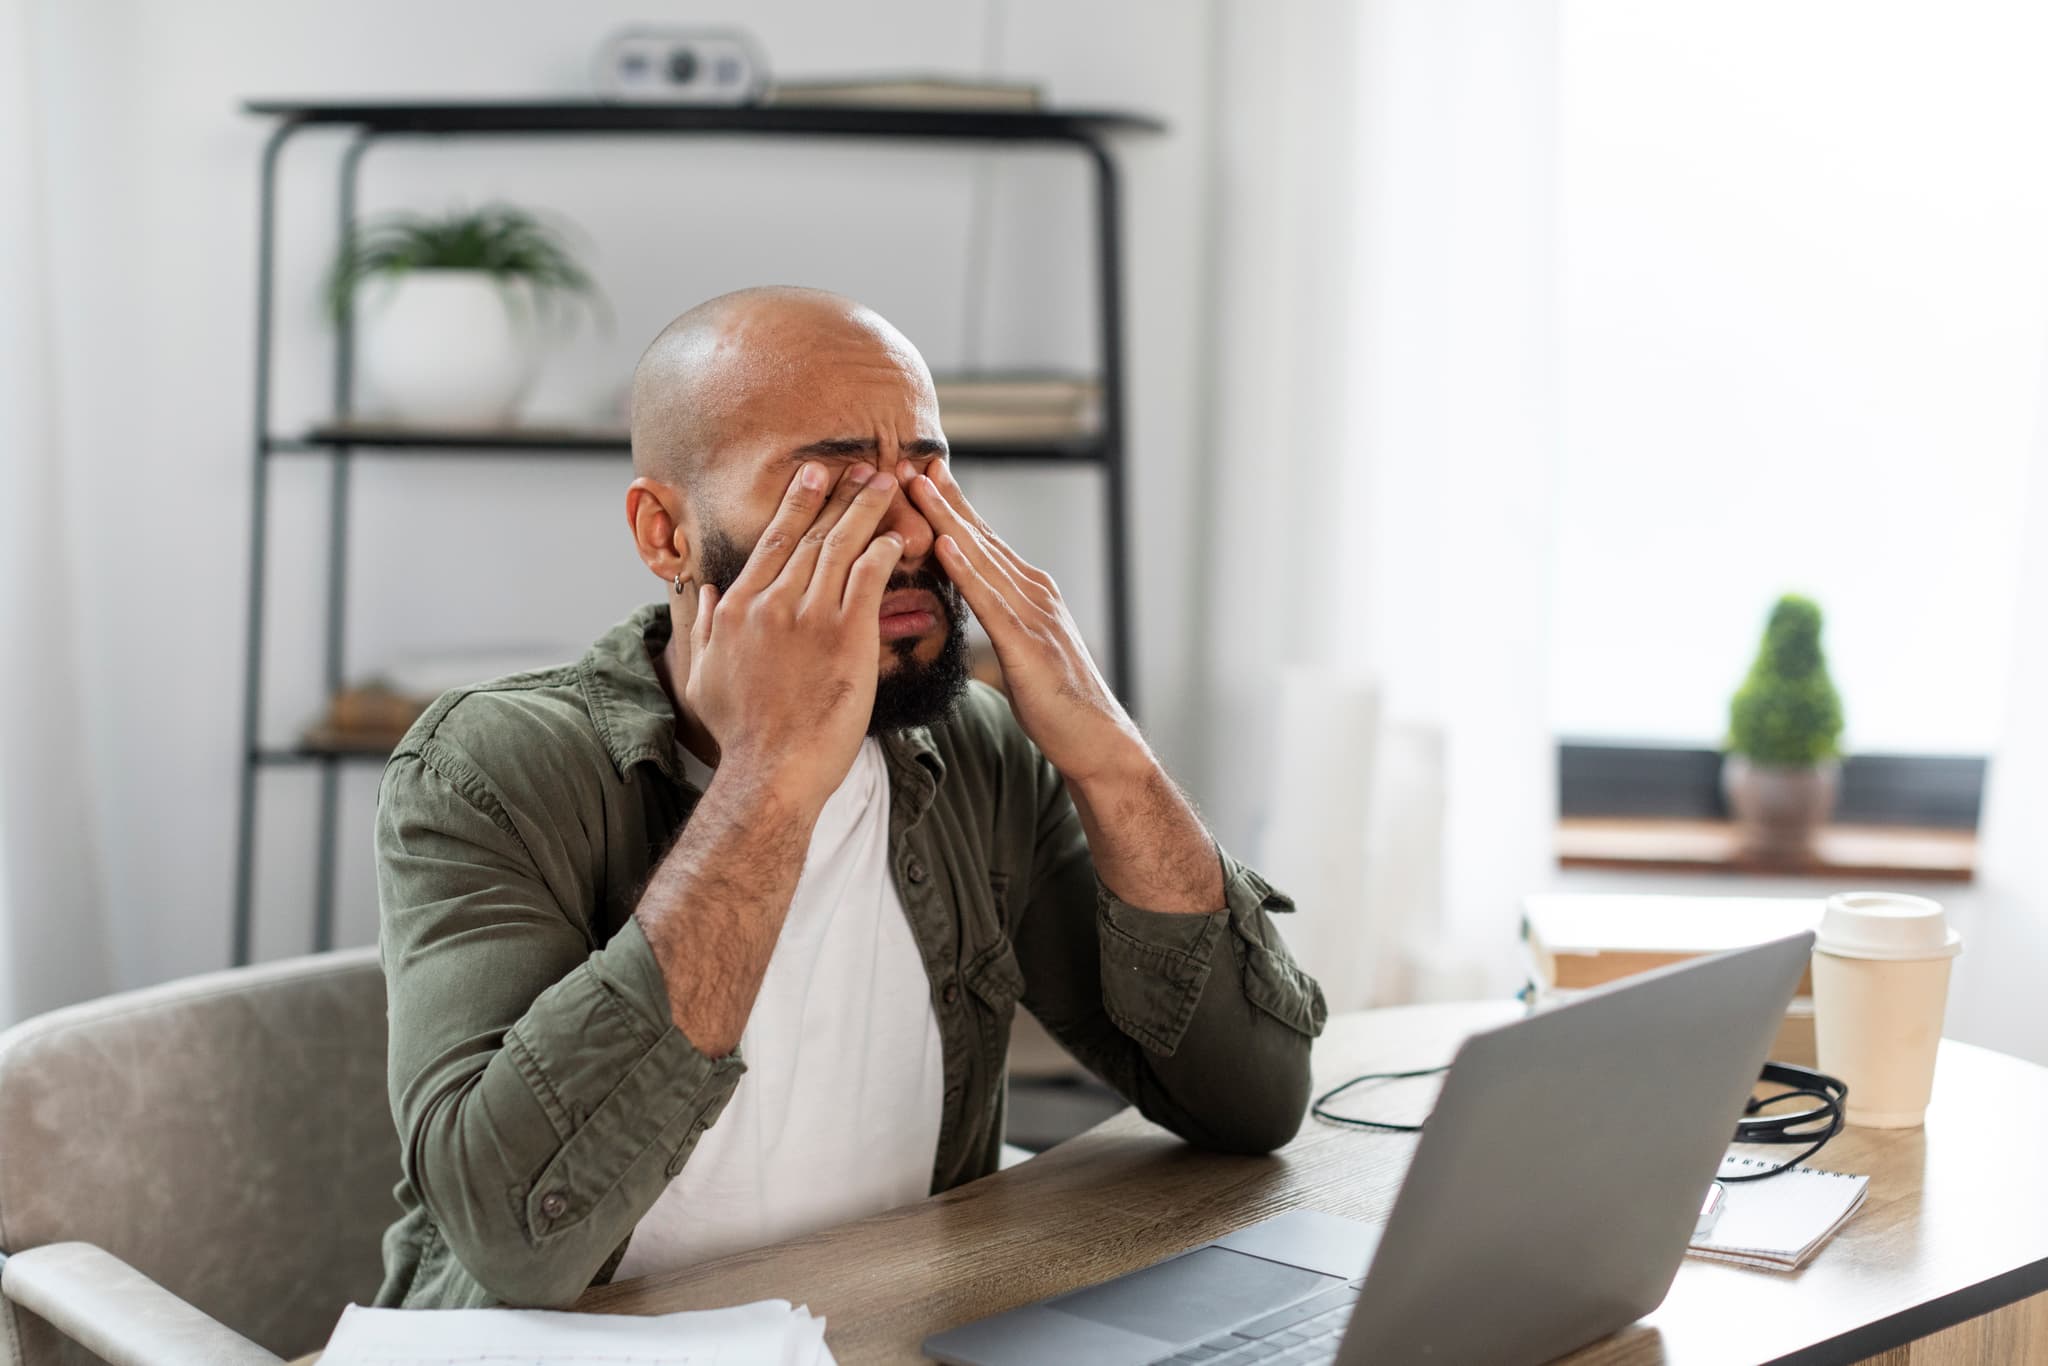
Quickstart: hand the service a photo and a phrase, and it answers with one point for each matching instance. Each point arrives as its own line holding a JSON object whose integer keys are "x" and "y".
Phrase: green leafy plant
{"x": 1787, "y": 710}
{"x": 503, "y": 241}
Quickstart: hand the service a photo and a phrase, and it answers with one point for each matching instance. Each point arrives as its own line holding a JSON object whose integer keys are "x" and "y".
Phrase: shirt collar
{"x": 631, "y": 710}
{"x": 637, "y": 722}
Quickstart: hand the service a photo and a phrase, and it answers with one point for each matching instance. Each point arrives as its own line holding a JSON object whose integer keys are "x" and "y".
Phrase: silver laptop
{"x": 1549, "y": 1203}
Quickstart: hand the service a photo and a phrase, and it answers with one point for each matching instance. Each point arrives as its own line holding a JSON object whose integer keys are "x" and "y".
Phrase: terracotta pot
{"x": 1779, "y": 808}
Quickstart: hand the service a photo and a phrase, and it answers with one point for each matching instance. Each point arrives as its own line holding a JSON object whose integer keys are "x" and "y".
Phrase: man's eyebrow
{"x": 841, "y": 446}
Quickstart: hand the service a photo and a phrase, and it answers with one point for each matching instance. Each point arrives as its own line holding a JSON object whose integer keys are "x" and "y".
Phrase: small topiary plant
{"x": 1787, "y": 711}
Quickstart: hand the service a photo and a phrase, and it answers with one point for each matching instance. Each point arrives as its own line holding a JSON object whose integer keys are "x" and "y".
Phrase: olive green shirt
{"x": 542, "y": 1092}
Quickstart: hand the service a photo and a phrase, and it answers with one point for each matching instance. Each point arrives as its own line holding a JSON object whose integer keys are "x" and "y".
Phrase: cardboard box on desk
{"x": 1577, "y": 942}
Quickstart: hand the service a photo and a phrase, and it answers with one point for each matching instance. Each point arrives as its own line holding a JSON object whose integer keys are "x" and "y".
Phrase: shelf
{"x": 586, "y": 441}
{"x": 1100, "y": 446}
{"x": 599, "y": 117}
{"x": 1889, "y": 853}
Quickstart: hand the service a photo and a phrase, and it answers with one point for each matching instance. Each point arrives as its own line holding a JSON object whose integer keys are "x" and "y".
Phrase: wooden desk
{"x": 1955, "y": 1227}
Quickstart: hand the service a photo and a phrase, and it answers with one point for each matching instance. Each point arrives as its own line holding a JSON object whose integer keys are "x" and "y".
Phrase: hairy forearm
{"x": 1148, "y": 845}
{"x": 714, "y": 907}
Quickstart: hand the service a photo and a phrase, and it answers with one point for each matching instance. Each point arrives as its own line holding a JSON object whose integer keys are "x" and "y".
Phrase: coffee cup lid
{"x": 1888, "y": 925}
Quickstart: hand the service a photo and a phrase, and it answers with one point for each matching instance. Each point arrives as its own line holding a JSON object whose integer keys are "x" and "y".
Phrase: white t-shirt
{"x": 837, "y": 1115}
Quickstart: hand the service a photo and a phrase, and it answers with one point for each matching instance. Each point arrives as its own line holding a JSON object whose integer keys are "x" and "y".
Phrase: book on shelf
{"x": 973, "y": 425}
{"x": 1017, "y": 393}
{"x": 910, "y": 92}
{"x": 1578, "y": 942}
{"x": 1021, "y": 407}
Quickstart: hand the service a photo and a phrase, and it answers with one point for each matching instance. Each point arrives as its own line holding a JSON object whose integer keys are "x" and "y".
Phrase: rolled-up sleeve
{"x": 542, "y": 1093}
{"x": 1202, "y": 1021}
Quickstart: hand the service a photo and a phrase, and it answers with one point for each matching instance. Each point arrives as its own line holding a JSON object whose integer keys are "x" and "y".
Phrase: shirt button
{"x": 916, "y": 871}
{"x": 675, "y": 1164}
{"x": 951, "y": 993}
{"x": 554, "y": 1204}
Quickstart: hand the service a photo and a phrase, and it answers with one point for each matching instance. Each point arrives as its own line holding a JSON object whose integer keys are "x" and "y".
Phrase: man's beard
{"x": 914, "y": 693}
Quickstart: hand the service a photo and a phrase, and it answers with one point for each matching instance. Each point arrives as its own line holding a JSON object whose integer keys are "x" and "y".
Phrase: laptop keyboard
{"x": 1306, "y": 1335}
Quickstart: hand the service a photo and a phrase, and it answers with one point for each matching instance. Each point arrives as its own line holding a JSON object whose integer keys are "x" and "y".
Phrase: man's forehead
{"x": 818, "y": 401}
{"x": 762, "y": 373}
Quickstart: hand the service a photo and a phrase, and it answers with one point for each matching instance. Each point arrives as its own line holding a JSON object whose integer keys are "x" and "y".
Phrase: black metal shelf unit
{"x": 339, "y": 440}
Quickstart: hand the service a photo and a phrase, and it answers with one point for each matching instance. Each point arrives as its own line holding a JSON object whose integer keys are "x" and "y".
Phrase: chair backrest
{"x": 227, "y": 1135}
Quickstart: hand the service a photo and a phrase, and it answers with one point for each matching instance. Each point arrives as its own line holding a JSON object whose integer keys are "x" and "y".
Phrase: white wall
{"x": 156, "y": 215}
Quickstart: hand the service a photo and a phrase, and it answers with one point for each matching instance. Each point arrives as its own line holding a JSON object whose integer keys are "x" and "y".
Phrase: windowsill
{"x": 1870, "y": 852}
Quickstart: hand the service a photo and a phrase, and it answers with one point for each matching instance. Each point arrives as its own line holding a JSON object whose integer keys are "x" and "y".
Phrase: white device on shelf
{"x": 681, "y": 66}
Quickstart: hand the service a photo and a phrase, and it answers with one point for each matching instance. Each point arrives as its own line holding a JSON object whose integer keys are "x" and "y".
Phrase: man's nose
{"x": 906, "y": 521}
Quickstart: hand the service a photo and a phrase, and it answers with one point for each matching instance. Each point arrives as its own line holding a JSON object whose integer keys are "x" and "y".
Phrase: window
{"x": 1805, "y": 300}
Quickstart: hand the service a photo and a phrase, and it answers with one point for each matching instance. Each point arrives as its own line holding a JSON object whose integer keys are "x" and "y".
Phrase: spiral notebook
{"x": 1780, "y": 1223}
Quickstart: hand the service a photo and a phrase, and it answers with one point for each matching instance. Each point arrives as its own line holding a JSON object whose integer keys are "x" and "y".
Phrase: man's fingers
{"x": 852, "y": 535}
{"x": 868, "y": 579}
{"x": 946, "y": 519}
{"x": 799, "y": 509}
{"x": 991, "y": 607}
{"x": 941, "y": 475}
{"x": 700, "y": 629}
{"x": 949, "y": 488}
{"x": 798, "y": 569}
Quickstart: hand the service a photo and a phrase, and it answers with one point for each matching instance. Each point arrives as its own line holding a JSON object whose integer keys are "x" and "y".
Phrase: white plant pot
{"x": 445, "y": 348}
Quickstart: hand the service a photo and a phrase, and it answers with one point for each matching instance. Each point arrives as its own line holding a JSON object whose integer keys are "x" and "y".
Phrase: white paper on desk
{"x": 767, "y": 1333}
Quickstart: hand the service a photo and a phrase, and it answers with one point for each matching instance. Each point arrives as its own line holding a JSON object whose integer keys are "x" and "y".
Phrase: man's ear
{"x": 654, "y": 513}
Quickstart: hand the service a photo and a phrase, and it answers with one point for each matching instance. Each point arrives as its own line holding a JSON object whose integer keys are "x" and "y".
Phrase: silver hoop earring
{"x": 680, "y": 590}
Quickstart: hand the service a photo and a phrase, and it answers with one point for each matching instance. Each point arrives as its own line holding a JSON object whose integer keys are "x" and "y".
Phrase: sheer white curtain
{"x": 2004, "y": 917}
{"x": 52, "y": 947}
{"x": 1384, "y": 399}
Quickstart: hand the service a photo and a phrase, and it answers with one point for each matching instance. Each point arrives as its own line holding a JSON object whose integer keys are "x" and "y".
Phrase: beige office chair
{"x": 197, "y": 1174}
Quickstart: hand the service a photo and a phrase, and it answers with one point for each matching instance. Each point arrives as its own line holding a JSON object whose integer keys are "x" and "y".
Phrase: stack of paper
{"x": 770, "y": 1333}
{"x": 1780, "y": 1222}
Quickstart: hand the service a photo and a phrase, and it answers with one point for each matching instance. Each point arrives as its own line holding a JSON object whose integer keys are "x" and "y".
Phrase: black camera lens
{"x": 682, "y": 65}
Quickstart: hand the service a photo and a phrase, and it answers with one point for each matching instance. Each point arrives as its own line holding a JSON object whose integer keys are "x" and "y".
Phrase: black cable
{"x": 1789, "y": 1128}
{"x": 1319, "y": 1107}
{"x": 1753, "y": 1127}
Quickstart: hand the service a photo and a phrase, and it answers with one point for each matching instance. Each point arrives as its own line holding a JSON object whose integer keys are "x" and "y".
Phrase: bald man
{"x": 713, "y": 937}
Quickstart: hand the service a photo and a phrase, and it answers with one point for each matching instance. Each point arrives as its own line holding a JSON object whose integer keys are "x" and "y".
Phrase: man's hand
{"x": 1148, "y": 845}
{"x": 1060, "y": 698}
{"x": 782, "y": 666}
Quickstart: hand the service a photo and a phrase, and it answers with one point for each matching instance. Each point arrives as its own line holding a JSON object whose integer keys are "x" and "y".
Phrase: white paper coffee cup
{"x": 1880, "y": 987}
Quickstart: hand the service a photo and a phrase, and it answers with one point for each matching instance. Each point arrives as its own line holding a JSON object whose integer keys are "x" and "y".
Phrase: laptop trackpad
{"x": 1194, "y": 1296}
